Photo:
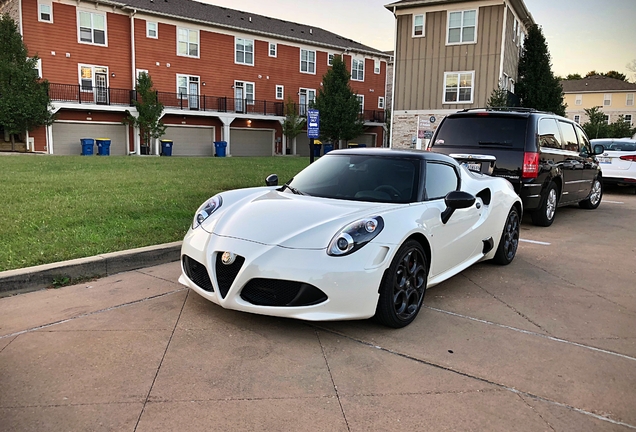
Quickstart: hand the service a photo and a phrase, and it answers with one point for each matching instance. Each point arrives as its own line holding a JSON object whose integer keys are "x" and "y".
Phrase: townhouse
{"x": 614, "y": 97}
{"x": 222, "y": 74}
{"x": 450, "y": 55}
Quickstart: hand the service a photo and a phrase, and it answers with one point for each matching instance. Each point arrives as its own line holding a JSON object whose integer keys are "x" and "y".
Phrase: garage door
{"x": 367, "y": 139}
{"x": 250, "y": 142}
{"x": 191, "y": 141}
{"x": 66, "y": 137}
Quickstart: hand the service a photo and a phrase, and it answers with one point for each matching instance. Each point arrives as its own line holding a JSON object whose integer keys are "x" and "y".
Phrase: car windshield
{"x": 360, "y": 178}
{"x": 612, "y": 145}
{"x": 485, "y": 130}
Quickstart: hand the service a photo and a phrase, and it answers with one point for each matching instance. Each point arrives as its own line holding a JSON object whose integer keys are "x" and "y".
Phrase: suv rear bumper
{"x": 530, "y": 194}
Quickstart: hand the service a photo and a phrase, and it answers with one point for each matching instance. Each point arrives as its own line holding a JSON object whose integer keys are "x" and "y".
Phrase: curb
{"x": 42, "y": 276}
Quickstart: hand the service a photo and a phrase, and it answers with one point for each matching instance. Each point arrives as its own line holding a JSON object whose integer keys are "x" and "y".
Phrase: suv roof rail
{"x": 506, "y": 109}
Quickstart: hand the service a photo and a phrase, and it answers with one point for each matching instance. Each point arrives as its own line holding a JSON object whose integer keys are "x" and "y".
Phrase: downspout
{"x": 20, "y": 16}
{"x": 390, "y": 143}
{"x": 503, "y": 44}
{"x": 132, "y": 50}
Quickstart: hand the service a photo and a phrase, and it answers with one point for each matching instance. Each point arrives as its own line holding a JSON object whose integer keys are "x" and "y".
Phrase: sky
{"x": 582, "y": 35}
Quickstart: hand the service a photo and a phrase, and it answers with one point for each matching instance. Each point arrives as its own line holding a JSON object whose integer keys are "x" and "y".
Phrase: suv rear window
{"x": 482, "y": 131}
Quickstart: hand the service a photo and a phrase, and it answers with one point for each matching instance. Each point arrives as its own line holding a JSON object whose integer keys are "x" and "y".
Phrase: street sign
{"x": 313, "y": 123}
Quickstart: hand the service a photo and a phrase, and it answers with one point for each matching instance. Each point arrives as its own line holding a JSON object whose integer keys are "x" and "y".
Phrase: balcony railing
{"x": 192, "y": 102}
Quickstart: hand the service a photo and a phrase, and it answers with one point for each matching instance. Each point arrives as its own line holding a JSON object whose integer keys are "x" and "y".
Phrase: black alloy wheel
{"x": 403, "y": 286}
{"x": 509, "y": 241}
{"x": 544, "y": 215}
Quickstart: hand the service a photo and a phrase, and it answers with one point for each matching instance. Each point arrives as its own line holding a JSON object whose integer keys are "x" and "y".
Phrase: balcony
{"x": 73, "y": 93}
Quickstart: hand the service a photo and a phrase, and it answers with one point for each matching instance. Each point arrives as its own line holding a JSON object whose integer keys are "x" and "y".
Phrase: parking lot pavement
{"x": 546, "y": 343}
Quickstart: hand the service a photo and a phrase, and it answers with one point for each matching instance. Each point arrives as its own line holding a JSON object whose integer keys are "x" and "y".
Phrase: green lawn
{"x": 55, "y": 208}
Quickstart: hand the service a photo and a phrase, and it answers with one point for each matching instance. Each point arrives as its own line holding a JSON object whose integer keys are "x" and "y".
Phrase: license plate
{"x": 604, "y": 160}
{"x": 473, "y": 166}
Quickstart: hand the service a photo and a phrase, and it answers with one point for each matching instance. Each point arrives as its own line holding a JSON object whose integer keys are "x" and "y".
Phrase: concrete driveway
{"x": 547, "y": 343}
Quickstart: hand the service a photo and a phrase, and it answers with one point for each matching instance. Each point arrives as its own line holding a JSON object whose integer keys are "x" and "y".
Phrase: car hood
{"x": 294, "y": 221}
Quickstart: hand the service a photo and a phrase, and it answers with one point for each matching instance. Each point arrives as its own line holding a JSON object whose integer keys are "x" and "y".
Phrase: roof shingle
{"x": 596, "y": 83}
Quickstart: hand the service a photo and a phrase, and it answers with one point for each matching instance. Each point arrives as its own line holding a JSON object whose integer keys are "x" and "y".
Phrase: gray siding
{"x": 420, "y": 63}
{"x": 511, "y": 49}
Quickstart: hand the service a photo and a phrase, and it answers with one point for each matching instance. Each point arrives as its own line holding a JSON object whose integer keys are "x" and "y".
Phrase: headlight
{"x": 355, "y": 235}
{"x": 206, "y": 210}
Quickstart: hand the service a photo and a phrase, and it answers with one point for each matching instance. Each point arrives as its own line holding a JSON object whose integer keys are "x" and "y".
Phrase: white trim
{"x": 20, "y": 17}
{"x": 361, "y": 104}
{"x": 48, "y": 3}
{"x": 461, "y": 33}
{"x": 140, "y": 71}
{"x": 253, "y": 51}
{"x": 308, "y": 62}
{"x": 79, "y": 33}
{"x": 503, "y": 39}
{"x": 377, "y": 66}
{"x": 332, "y": 55}
{"x": 631, "y": 118}
{"x": 93, "y": 86}
{"x": 247, "y": 101}
{"x": 577, "y": 118}
{"x": 578, "y": 99}
{"x": 380, "y": 102}
{"x": 423, "y": 26}
{"x": 627, "y": 100}
{"x": 363, "y": 61}
{"x": 187, "y": 42}
{"x": 269, "y": 49}
{"x": 472, "y": 88}
{"x": 38, "y": 66}
{"x": 607, "y": 97}
{"x": 282, "y": 91}
{"x": 156, "y": 36}
{"x": 187, "y": 94}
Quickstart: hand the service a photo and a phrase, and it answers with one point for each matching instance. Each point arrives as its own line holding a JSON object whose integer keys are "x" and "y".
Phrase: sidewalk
{"x": 39, "y": 277}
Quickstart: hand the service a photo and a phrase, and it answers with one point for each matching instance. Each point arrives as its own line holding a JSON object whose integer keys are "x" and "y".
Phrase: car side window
{"x": 584, "y": 143}
{"x": 440, "y": 180}
{"x": 549, "y": 135}
{"x": 570, "y": 142}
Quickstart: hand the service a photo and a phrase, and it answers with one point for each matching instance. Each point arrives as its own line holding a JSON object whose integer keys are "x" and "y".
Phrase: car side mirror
{"x": 599, "y": 149}
{"x": 456, "y": 200}
{"x": 271, "y": 180}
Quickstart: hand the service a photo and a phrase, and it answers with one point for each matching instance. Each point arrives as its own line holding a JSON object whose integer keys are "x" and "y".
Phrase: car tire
{"x": 544, "y": 215}
{"x": 509, "y": 241}
{"x": 596, "y": 195}
{"x": 403, "y": 287}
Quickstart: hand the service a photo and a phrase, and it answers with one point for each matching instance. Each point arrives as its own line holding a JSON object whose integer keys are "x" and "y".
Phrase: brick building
{"x": 222, "y": 74}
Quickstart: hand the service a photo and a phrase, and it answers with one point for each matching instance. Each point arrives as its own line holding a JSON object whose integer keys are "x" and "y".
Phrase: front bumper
{"x": 350, "y": 283}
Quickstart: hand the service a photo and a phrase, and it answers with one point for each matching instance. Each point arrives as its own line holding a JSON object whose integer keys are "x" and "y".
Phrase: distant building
{"x": 614, "y": 97}
{"x": 222, "y": 74}
{"x": 450, "y": 55}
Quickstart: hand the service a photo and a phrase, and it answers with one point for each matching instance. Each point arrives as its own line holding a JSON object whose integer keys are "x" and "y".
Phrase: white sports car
{"x": 359, "y": 233}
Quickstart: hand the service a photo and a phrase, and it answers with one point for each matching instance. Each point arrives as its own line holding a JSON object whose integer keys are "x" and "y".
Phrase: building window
{"x": 376, "y": 67}
{"x": 628, "y": 119}
{"x": 151, "y": 30}
{"x": 308, "y": 61}
{"x": 607, "y": 99}
{"x": 188, "y": 42}
{"x": 579, "y": 99}
{"x": 92, "y": 28}
{"x": 577, "y": 119}
{"x": 381, "y": 102}
{"x": 244, "y": 51}
{"x": 306, "y": 97}
{"x": 280, "y": 92}
{"x": 361, "y": 102}
{"x": 273, "y": 49}
{"x": 243, "y": 91}
{"x": 94, "y": 79}
{"x": 458, "y": 87}
{"x": 45, "y": 11}
{"x": 606, "y": 119}
{"x": 187, "y": 85}
{"x": 462, "y": 27}
{"x": 630, "y": 99}
{"x": 515, "y": 29}
{"x": 330, "y": 59}
{"x": 357, "y": 70}
{"x": 141, "y": 71}
{"x": 418, "y": 25}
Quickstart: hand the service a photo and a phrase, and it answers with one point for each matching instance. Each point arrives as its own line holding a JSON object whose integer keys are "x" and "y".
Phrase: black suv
{"x": 547, "y": 158}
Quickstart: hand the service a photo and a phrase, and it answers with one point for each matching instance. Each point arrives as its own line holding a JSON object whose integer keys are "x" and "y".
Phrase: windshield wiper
{"x": 293, "y": 189}
{"x": 496, "y": 143}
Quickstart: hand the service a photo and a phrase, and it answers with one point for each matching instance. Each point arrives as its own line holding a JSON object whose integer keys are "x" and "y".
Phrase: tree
{"x": 338, "y": 105}
{"x": 596, "y": 126}
{"x": 621, "y": 129}
{"x": 498, "y": 98}
{"x": 573, "y": 77}
{"x": 293, "y": 124}
{"x": 24, "y": 98}
{"x": 632, "y": 68}
{"x": 591, "y": 73}
{"x": 538, "y": 87}
{"x": 616, "y": 75}
{"x": 149, "y": 110}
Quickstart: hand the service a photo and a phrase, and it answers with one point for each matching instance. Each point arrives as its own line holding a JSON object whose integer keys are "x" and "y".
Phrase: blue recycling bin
{"x": 87, "y": 146}
{"x": 166, "y": 147}
{"x": 103, "y": 146}
{"x": 219, "y": 147}
{"x": 361, "y": 145}
{"x": 327, "y": 147}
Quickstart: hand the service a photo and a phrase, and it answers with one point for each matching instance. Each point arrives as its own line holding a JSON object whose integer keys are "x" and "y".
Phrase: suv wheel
{"x": 596, "y": 195}
{"x": 544, "y": 215}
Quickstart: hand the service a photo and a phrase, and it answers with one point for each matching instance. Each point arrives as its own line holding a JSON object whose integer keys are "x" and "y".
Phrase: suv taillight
{"x": 631, "y": 158}
{"x": 530, "y": 165}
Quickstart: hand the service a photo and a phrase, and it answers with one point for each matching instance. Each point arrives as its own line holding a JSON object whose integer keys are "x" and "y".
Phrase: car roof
{"x": 612, "y": 140}
{"x": 505, "y": 112}
{"x": 395, "y": 153}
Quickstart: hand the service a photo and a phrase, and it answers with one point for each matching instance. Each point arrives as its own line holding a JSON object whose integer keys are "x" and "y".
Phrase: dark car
{"x": 547, "y": 158}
